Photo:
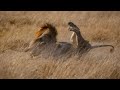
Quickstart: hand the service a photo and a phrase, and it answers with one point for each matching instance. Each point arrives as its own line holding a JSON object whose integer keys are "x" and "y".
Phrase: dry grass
{"x": 17, "y": 30}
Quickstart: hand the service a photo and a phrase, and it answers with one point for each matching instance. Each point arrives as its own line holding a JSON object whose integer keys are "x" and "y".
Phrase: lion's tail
{"x": 111, "y": 50}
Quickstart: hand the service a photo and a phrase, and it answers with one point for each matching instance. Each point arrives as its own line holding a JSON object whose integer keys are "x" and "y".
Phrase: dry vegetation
{"x": 17, "y": 30}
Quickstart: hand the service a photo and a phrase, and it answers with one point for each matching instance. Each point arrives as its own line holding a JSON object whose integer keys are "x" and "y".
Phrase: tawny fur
{"x": 73, "y": 39}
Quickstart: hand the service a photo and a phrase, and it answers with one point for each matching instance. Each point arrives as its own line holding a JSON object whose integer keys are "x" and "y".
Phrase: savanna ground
{"x": 17, "y": 29}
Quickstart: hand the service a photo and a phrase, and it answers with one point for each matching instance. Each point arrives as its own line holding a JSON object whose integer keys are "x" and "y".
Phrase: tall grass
{"x": 17, "y": 29}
